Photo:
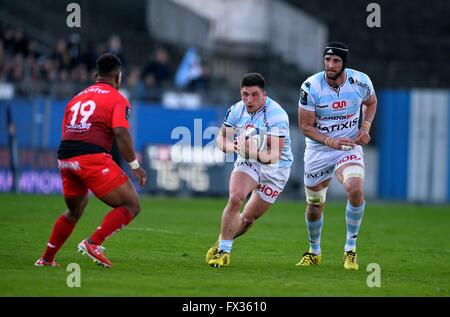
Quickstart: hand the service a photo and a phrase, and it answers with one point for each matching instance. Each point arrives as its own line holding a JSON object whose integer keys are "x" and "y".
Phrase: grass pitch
{"x": 161, "y": 253}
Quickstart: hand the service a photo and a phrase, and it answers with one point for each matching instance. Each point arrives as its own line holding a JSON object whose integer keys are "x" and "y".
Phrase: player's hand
{"x": 141, "y": 175}
{"x": 236, "y": 150}
{"x": 343, "y": 144}
{"x": 241, "y": 145}
{"x": 246, "y": 148}
{"x": 363, "y": 137}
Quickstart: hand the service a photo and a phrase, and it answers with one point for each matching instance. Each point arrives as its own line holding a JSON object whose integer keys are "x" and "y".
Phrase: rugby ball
{"x": 256, "y": 135}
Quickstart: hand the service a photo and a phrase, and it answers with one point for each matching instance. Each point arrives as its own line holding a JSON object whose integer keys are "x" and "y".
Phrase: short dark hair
{"x": 253, "y": 79}
{"x": 108, "y": 65}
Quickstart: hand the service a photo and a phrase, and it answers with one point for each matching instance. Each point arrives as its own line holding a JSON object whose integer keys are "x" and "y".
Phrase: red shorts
{"x": 97, "y": 172}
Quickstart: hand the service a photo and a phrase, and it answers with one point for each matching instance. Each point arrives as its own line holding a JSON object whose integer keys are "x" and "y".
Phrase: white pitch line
{"x": 153, "y": 230}
{"x": 150, "y": 229}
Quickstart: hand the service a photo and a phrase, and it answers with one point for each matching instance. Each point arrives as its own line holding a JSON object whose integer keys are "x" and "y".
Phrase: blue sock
{"x": 226, "y": 245}
{"x": 353, "y": 218}
{"x": 314, "y": 231}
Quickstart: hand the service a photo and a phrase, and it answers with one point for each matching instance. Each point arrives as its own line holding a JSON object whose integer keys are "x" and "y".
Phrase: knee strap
{"x": 316, "y": 198}
{"x": 353, "y": 171}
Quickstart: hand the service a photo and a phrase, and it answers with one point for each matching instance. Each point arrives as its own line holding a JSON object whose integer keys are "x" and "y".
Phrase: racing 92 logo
{"x": 339, "y": 105}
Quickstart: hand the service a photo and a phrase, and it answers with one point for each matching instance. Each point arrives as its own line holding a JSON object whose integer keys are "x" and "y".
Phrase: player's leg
{"x": 76, "y": 199}
{"x": 254, "y": 208}
{"x": 125, "y": 203}
{"x": 315, "y": 198}
{"x": 319, "y": 167}
{"x": 352, "y": 177}
{"x": 269, "y": 189}
{"x": 116, "y": 190}
{"x": 241, "y": 184}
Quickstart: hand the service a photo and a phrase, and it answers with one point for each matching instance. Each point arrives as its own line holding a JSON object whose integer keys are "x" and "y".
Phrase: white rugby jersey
{"x": 270, "y": 119}
{"x": 337, "y": 112}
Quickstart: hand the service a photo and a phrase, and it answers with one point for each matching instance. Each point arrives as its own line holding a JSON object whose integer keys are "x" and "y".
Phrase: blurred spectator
{"x": 61, "y": 55}
{"x": 9, "y": 41}
{"x": 132, "y": 80}
{"x": 2, "y": 58}
{"x": 200, "y": 83}
{"x": 49, "y": 70}
{"x": 68, "y": 65}
{"x": 89, "y": 55}
{"x": 73, "y": 48}
{"x": 156, "y": 75}
{"x": 20, "y": 43}
{"x": 192, "y": 73}
{"x": 115, "y": 47}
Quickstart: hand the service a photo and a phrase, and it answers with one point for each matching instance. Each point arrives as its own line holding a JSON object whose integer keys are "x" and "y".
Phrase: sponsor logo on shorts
{"x": 317, "y": 174}
{"x": 266, "y": 190}
{"x": 244, "y": 163}
{"x": 347, "y": 158}
{"x": 105, "y": 171}
{"x": 69, "y": 165}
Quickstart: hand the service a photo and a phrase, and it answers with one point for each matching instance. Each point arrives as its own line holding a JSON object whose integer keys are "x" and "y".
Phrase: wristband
{"x": 134, "y": 164}
{"x": 330, "y": 144}
{"x": 366, "y": 125}
{"x": 329, "y": 141}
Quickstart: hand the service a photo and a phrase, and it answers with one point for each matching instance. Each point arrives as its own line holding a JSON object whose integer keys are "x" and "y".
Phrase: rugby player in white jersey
{"x": 336, "y": 110}
{"x": 260, "y": 170}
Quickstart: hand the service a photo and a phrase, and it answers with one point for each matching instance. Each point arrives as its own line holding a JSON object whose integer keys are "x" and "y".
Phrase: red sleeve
{"x": 121, "y": 113}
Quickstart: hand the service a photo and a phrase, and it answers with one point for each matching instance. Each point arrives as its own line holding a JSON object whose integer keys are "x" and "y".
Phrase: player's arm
{"x": 225, "y": 140}
{"x": 368, "y": 114}
{"x": 306, "y": 120}
{"x": 272, "y": 153}
{"x": 125, "y": 145}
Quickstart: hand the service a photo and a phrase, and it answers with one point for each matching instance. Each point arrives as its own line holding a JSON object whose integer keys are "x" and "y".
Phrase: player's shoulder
{"x": 234, "y": 112}
{"x": 117, "y": 95}
{"x": 237, "y": 107}
{"x": 275, "y": 109}
{"x": 121, "y": 98}
{"x": 313, "y": 82}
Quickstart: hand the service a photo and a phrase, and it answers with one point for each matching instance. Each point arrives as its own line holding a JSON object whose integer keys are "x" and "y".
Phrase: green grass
{"x": 162, "y": 252}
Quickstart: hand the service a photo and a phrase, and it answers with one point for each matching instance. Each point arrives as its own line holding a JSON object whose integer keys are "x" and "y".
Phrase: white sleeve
{"x": 307, "y": 100}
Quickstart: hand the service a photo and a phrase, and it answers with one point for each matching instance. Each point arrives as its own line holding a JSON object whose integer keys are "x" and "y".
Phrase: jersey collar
{"x": 103, "y": 83}
{"x": 343, "y": 83}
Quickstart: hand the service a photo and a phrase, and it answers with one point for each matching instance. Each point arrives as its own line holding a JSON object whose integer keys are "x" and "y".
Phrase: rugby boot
{"x": 309, "y": 259}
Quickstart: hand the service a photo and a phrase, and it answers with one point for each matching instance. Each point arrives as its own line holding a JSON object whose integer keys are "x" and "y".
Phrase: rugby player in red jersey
{"x": 91, "y": 120}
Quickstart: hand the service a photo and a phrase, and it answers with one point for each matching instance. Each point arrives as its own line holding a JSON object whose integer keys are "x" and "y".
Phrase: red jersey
{"x": 89, "y": 119}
